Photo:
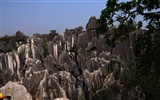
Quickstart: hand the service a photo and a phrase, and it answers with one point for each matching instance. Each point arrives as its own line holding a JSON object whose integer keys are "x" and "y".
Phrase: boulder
{"x": 16, "y": 91}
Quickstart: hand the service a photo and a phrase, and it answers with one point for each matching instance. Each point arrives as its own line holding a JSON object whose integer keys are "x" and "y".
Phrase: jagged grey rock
{"x": 46, "y": 37}
{"x": 93, "y": 79}
{"x": 64, "y": 66}
{"x": 50, "y": 64}
{"x": 16, "y": 91}
{"x": 92, "y": 23}
{"x": 82, "y": 41}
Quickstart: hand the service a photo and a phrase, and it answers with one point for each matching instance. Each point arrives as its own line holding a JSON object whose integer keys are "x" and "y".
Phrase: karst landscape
{"x": 82, "y": 63}
{"x": 73, "y": 65}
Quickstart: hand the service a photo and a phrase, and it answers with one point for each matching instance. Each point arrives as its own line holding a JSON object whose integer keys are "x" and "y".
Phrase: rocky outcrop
{"x": 46, "y": 37}
{"x": 92, "y": 23}
{"x": 74, "y": 65}
{"x": 16, "y": 91}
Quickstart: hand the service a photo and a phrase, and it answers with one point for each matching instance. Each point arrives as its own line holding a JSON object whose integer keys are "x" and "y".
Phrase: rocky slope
{"x": 74, "y": 65}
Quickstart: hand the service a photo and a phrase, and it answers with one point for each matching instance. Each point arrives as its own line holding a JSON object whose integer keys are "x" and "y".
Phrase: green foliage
{"x": 128, "y": 77}
{"x": 139, "y": 25}
{"x": 44, "y": 46}
{"x": 24, "y": 42}
{"x": 146, "y": 67}
{"x": 102, "y": 95}
{"x": 81, "y": 98}
{"x": 109, "y": 93}
{"x": 125, "y": 14}
{"x": 116, "y": 75}
{"x": 1, "y": 79}
{"x": 5, "y": 38}
{"x": 150, "y": 86}
{"x": 118, "y": 34}
{"x": 12, "y": 49}
{"x": 147, "y": 64}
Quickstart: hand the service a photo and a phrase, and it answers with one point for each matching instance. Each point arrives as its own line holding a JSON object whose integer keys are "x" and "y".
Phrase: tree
{"x": 125, "y": 14}
{"x": 147, "y": 46}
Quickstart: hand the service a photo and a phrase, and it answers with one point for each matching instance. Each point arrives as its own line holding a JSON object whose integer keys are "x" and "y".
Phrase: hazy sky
{"x": 41, "y": 16}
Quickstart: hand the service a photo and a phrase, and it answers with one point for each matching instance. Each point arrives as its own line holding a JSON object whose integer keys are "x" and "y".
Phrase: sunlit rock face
{"x": 67, "y": 66}
{"x": 16, "y": 91}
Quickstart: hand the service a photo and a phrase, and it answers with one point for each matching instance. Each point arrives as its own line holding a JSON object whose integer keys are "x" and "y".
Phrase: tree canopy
{"x": 147, "y": 64}
{"x": 125, "y": 14}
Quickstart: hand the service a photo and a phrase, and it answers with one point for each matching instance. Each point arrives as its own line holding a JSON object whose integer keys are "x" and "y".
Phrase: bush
{"x": 45, "y": 50}
{"x": 109, "y": 93}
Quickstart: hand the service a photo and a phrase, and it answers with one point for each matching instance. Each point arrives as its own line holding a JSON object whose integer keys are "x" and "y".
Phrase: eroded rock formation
{"x": 16, "y": 91}
{"x": 61, "y": 67}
